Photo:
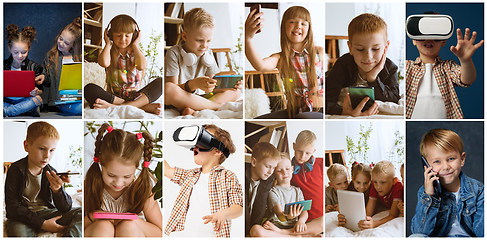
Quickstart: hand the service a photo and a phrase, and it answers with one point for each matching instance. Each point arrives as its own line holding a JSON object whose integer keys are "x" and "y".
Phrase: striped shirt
{"x": 301, "y": 64}
{"x": 447, "y": 74}
{"x": 110, "y": 204}
{"x": 224, "y": 190}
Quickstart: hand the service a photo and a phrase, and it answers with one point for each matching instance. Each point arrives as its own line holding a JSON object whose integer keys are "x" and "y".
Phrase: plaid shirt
{"x": 125, "y": 80}
{"x": 447, "y": 74}
{"x": 301, "y": 62}
{"x": 224, "y": 190}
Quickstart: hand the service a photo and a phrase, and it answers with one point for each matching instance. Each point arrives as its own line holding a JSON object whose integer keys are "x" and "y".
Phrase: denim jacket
{"x": 434, "y": 216}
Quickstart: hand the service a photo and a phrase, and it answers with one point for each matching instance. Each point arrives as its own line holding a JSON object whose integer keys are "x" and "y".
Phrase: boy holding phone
{"x": 458, "y": 211}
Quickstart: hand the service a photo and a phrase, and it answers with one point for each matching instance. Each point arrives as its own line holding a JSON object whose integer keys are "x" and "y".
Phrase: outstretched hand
{"x": 465, "y": 47}
{"x": 217, "y": 218}
{"x": 253, "y": 24}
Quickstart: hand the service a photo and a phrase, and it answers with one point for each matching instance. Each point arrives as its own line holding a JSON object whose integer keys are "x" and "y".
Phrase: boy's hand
{"x": 40, "y": 79}
{"x": 251, "y": 23}
{"x": 238, "y": 86}
{"x": 341, "y": 219}
{"x": 294, "y": 211}
{"x": 366, "y": 224}
{"x": 205, "y": 83}
{"x": 56, "y": 181}
{"x": 348, "y": 110}
{"x": 400, "y": 206}
{"x": 300, "y": 226}
{"x": 428, "y": 180}
{"x": 329, "y": 208}
{"x": 51, "y": 225}
{"x": 217, "y": 218}
{"x": 465, "y": 46}
{"x": 372, "y": 74}
{"x": 336, "y": 208}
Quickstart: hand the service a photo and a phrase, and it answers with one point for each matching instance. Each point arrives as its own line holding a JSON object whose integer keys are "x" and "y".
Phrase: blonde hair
{"x": 285, "y": 64}
{"x": 74, "y": 28}
{"x": 222, "y": 136}
{"x": 306, "y": 136}
{"x": 197, "y": 18}
{"x": 366, "y": 23}
{"x": 441, "y": 139}
{"x": 39, "y": 129}
{"x": 285, "y": 155}
{"x": 125, "y": 147}
{"x": 384, "y": 167}
{"x": 361, "y": 168}
{"x": 334, "y": 170}
{"x": 263, "y": 150}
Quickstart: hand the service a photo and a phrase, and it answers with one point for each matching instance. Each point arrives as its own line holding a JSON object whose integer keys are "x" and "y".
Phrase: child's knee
{"x": 18, "y": 229}
{"x": 127, "y": 228}
{"x": 103, "y": 228}
{"x": 256, "y": 231}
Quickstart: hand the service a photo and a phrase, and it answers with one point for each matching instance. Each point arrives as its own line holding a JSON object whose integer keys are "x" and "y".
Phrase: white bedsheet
{"x": 393, "y": 228}
{"x": 387, "y": 110}
{"x": 229, "y": 110}
{"x": 119, "y": 112}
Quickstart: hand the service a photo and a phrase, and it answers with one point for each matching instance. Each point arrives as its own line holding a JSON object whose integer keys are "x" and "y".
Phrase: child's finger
{"x": 479, "y": 44}
{"x": 459, "y": 34}
{"x": 467, "y": 34}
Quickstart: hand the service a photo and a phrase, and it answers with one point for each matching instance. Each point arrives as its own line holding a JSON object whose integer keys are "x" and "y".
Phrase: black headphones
{"x": 122, "y": 16}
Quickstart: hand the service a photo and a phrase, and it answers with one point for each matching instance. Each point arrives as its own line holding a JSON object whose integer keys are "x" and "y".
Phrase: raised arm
{"x": 140, "y": 61}
{"x": 104, "y": 57}
{"x": 464, "y": 50}
{"x": 168, "y": 170}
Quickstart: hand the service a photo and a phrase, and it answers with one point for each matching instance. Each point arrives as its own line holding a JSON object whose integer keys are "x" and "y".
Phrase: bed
{"x": 393, "y": 228}
{"x": 229, "y": 110}
{"x": 387, "y": 110}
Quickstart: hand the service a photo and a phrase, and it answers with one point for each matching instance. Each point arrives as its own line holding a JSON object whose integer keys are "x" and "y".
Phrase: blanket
{"x": 229, "y": 110}
{"x": 118, "y": 112}
{"x": 387, "y": 110}
{"x": 393, "y": 228}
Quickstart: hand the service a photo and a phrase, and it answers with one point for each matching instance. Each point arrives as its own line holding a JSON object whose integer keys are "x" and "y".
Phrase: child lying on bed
{"x": 385, "y": 189}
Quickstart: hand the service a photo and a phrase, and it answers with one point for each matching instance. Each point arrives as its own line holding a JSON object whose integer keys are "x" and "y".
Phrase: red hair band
{"x": 146, "y": 164}
{"x": 139, "y": 136}
{"x": 95, "y": 159}
{"x": 109, "y": 129}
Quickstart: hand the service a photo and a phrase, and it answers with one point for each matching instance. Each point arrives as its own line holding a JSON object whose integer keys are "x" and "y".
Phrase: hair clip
{"x": 146, "y": 164}
{"x": 109, "y": 129}
{"x": 139, "y": 136}
{"x": 96, "y": 160}
{"x": 354, "y": 163}
{"x": 371, "y": 165}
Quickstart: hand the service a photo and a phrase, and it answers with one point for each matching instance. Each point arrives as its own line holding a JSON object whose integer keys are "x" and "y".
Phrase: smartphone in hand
{"x": 436, "y": 183}
{"x": 257, "y": 7}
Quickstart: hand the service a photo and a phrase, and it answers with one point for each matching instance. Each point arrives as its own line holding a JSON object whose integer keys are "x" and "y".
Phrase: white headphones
{"x": 190, "y": 59}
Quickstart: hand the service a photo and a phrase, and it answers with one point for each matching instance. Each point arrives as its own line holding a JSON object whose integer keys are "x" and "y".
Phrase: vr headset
{"x": 197, "y": 136}
{"x": 429, "y": 26}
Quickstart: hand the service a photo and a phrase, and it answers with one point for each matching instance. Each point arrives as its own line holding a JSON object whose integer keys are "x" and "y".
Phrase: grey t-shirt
{"x": 31, "y": 192}
{"x": 174, "y": 66}
{"x": 331, "y": 197}
{"x": 282, "y": 196}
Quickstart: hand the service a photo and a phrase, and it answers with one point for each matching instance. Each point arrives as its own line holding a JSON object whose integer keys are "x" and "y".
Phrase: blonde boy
{"x": 213, "y": 189}
{"x": 461, "y": 198}
{"x": 34, "y": 195}
{"x": 385, "y": 190}
{"x": 190, "y": 65}
{"x": 365, "y": 65}
{"x": 258, "y": 181}
{"x": 338, "y": 180}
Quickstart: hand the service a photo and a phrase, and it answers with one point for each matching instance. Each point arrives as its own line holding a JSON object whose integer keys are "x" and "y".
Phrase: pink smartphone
{"x": 110, "y": 215}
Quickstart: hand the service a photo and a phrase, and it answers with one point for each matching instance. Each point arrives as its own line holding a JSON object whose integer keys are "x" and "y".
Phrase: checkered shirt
{"x": 301, "y": 62}
{"x": 126, "y": 77}
{"x": 224, "y": 190}
{"x": 447, "y": 74}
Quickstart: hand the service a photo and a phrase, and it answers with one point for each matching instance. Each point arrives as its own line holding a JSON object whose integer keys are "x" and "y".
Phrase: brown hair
{"x": 334, "y": 170}
{"x": 441, "y": 139}
{"x": 306, "y": 136}
{"x": 367, "y": 23}
{"x": 263, "y": 150}
{"x": 75, "y": 29}
{"x": 222, "y": 136}
{"x": 285, "y": 65}
{"x": 27, "y": 35}
{"x": 384, "y": 167}
{"x": 361, "y": 168}
{"x": 126, "y": 148}
{"x": 39, "y": 129}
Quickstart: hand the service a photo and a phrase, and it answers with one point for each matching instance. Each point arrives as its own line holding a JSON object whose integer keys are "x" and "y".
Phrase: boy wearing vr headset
{"x": 190, "y": 65}
{"x": 430, "y": 81}
{"x": 213, "y": 192}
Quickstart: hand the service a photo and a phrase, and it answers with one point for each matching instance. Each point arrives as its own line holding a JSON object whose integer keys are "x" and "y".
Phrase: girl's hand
{"x": 56, "y": 181}
{"x": 428, "y": 180}
{"x": 40, "y": 79}
{"x": 366, "y": 224}
{"x": 251, "y": 23}
{"x": 35, "y": 92}
{"x": 106, "y": 37}
{"x": 137, "y": 40}
{"x": 294, "y": 211}
{"x": 217, "y": 218}
{"x": 341, "y": 219}
{"x": 465, "y": 46}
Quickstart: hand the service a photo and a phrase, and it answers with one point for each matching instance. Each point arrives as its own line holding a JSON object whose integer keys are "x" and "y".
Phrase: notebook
{"x": 71, "y": 78}
{"x": 18, "y": 83}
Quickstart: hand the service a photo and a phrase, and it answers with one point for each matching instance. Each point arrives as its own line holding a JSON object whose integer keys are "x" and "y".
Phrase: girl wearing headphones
{"x": 125, "y": 64}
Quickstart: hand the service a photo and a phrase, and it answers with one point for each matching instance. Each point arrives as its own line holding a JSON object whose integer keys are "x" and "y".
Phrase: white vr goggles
{"x": 429, "y": 27}
{"x": 197, "y": 136}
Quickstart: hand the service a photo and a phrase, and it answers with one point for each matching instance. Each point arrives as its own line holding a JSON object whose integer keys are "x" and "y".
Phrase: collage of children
{"x": 234, "y": 119}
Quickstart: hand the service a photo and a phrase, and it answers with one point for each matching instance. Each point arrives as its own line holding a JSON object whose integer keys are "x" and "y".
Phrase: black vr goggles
{"x": 197, "y": 136}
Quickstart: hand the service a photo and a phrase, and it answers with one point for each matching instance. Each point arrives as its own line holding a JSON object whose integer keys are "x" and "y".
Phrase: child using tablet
{"x": 337, "y": 175}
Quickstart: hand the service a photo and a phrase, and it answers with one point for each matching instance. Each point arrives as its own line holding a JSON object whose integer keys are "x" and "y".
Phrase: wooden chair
{"x": 229, "y": 60}
{"x": 332, "y": 48}
{"x": 249, "y": 83}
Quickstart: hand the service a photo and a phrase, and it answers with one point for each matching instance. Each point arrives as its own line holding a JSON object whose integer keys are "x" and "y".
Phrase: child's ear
{"x": 26, "y": 146}
{"x": 414, "y": 42}
{"x": 349, "y": 47}
{"x": 464, "y": 155}
{"x": 184, "y": 36}
{"x": 387, "y": 46}
{"x": 443, "y": 44}
{"x": 253, "y": 161}
{"x": 294, "y": 146}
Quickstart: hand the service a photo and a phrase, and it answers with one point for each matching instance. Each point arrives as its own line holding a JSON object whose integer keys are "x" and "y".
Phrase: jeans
{"x": 14, "y": 106}
{"x": 73, "y": 219}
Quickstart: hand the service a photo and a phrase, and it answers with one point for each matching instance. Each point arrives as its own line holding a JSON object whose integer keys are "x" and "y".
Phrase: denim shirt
{"x": 435, "y": 216}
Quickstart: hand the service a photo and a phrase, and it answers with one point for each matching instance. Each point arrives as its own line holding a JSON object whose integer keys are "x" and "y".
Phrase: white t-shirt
{"x": 15, "y": 69}
{"x": 429, "y": 103}
{"x": 199, "y": 206}
{"x": 457, "y": 229}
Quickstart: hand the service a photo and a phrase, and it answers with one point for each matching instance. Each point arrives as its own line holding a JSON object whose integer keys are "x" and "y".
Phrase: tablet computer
{"x": 357, "y": 94}
{"x": 306, "y": 205}
{"x": 18, "y": 83}
{"x": 352, "y": 206}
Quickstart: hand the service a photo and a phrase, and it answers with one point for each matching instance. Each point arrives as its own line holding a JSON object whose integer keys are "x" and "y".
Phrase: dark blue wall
{"x": 47, "y": 18}
{"x": 465, "y": 15}
{"x": 472, "y": 134}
